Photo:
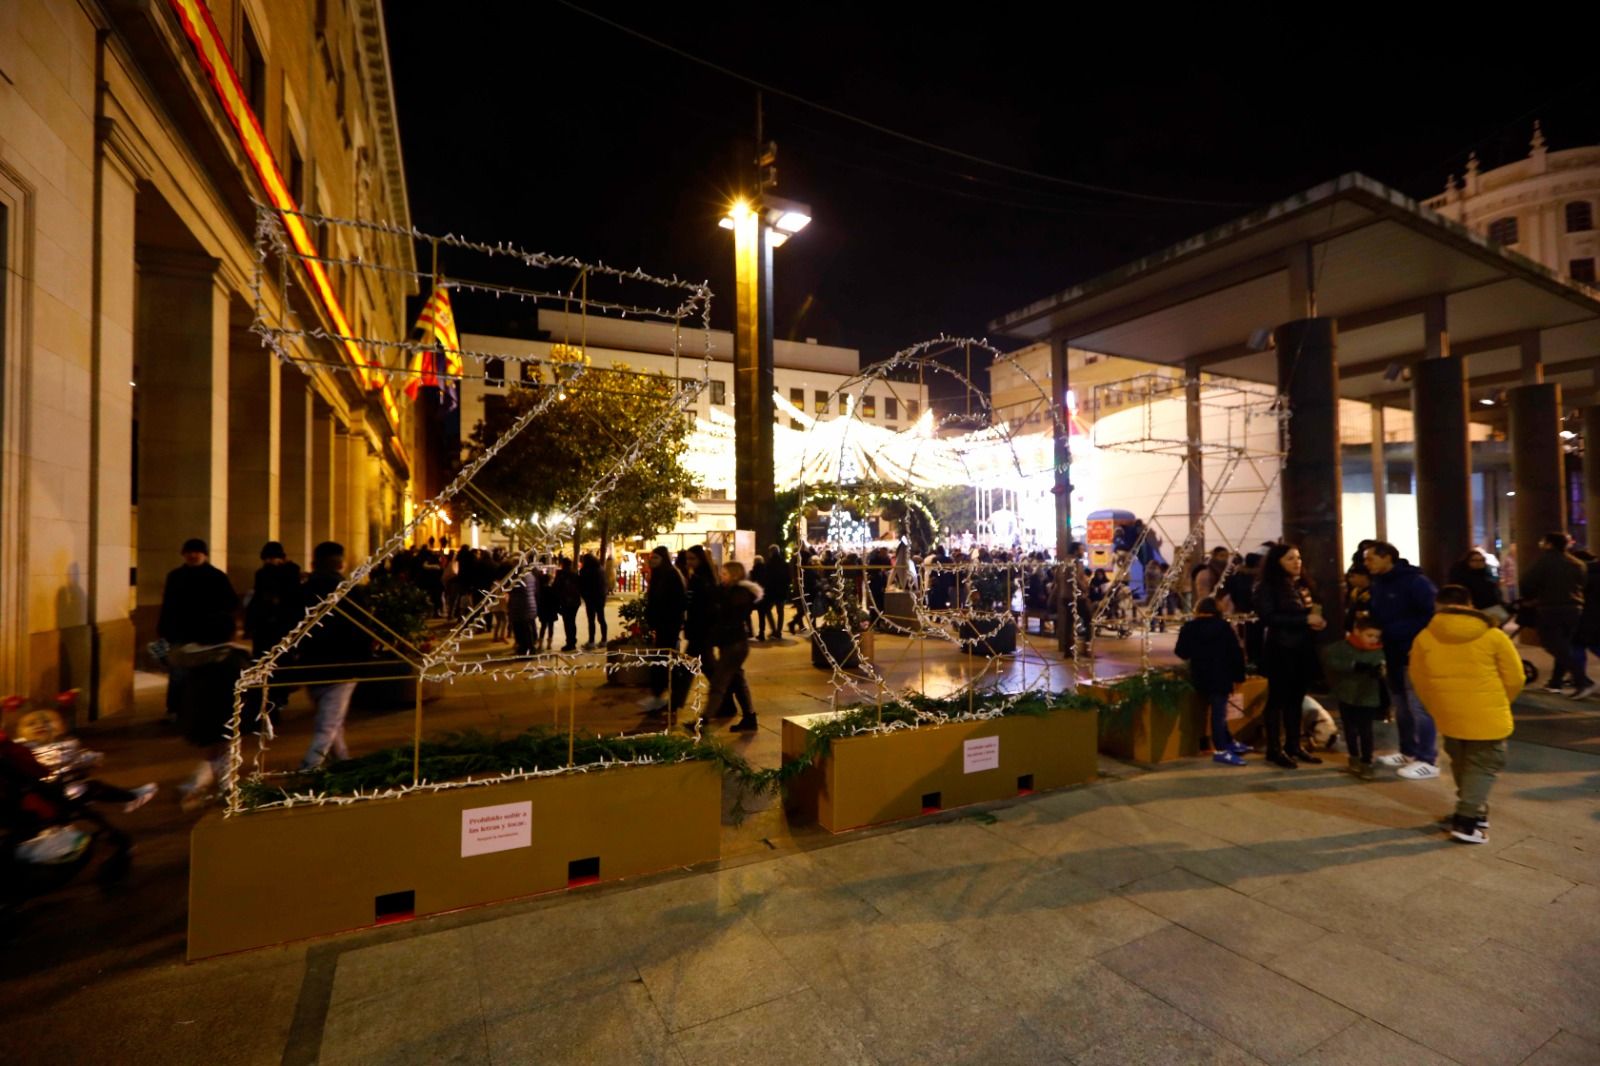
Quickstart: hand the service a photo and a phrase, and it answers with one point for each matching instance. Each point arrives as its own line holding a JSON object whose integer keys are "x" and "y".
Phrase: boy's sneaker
{"x": 1394, "y": 759}
{"x": 1557, "y": 689}
{"x": 1419, "y": 771}
{"x": 1586, "y": 691}
{"x": 1366, "y": 772}
{"x": 1228, "y": 758}
{"x": 1468, "y": 831}
{"x": 1239, "y": 748}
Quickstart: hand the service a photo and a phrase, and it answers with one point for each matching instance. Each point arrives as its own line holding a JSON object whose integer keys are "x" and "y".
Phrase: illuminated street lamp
{"x": 759, "y": 225}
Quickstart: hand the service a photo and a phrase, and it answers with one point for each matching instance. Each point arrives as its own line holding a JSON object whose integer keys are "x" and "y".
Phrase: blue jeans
{"x": 1419, "y": 737}
{"x": 1220, "y": 737}
{"x": 333, "y": 704}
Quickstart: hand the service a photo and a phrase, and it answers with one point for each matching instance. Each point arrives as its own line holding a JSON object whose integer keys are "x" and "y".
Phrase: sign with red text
{"x": 499, "y": 828}
{"x": 980, "y": 754}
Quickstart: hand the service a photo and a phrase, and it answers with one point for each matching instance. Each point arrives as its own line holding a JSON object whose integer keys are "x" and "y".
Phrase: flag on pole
{"x": 437, "y": 324}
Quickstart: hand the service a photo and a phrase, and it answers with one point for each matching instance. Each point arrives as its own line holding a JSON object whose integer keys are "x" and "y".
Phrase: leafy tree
{"x": 597, "y": 417}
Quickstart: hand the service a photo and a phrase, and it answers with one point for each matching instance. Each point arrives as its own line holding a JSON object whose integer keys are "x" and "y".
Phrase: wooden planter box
{"x": 989, "y": 637}
{"x": 839, "y": 645}
{"x": 1150, "y": 735}
{"x": 882, "y": 777}
{"x": 278, "y": 875}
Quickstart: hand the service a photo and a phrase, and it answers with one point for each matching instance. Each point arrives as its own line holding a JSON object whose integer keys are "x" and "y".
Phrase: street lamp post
{"x": 758, "y": 227}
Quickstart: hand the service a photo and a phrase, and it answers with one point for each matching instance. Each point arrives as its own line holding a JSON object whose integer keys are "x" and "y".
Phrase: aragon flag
{"x": 437, "y": 324}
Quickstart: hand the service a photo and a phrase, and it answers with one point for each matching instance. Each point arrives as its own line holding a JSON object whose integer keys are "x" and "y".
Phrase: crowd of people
{"x": 1437, "y": 659}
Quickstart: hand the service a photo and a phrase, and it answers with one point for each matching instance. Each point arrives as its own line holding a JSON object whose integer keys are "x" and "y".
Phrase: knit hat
{"x": 195, "y": 544}
{"x": 273, "y": 550}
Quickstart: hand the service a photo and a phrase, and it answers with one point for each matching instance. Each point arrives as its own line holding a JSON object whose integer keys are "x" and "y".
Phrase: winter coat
{"x": 1466, "y": 672}
{"x": 1555, "y": 580}
{"x": 565, "y": 587}
{"x": 522, "y": 599}
{"x": 1402, "y": 603}
{"x": 1211, "y": 648}
{"x": 275, "y": 605}
{"x": 197, "y": 606}
{"x": 1355, "y": 675}
{"x": 701, "y": 605}
{"x": 338, "y": 642}
{"x": 733, "y": 604}
{"x": 664, "y": 601}
{"x": 1286, "y": 619}
{"x": 1481, "y": 583}
{"x": 545, "y": 603}
{"x": 775, "y": 580}
{"x": 1589, "y": 624}
{"x": 592, "y": 583}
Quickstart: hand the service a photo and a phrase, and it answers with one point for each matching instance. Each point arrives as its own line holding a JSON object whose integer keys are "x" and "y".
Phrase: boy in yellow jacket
{"x": 1467, "y": 672}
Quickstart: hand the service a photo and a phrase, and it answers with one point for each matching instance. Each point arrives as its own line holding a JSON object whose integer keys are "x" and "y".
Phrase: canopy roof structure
{"x": 1351, "y": 249}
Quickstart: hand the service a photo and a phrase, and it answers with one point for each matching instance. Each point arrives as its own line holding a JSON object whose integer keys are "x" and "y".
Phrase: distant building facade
{"x": 139, "y": 410}
{"x": 1544, "y": 206}
{"x": 806, "y": 377}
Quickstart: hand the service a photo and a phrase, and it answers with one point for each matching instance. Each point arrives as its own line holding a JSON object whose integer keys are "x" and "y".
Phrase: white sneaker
{"x": 1395, "y": 759}
{"x": 1585, "y": 692}
{"x": 141, "y": 795}
{"x": 1419, "y": 771}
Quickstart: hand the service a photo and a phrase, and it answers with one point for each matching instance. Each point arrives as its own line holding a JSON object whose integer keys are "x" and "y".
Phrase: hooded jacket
{"x": 1466, "y": 672}
{"x": 1401, "y": 604}
{"x": 1211, "y": 648}
{"x": 732, "y": 607}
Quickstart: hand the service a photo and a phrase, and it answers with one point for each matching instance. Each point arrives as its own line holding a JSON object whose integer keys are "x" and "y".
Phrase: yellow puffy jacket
{"x": 1466, "y": 672}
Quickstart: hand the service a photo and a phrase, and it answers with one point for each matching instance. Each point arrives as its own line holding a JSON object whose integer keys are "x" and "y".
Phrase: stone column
{"x": 1444, "y": 463}
{"x": 324, "y": 472}
{"x": 1380, "y": 477}
{"x": 1538, "y": 472}
{"x": 120, "y": 167}
{"x": 353, "y": 531}
{"x": 181, "y": 343}
{"x": 295, "y": 465}
{"x": 1308, "y": 376}
{"x": 253, "y": 443}
{"x": 1591, "y": 474}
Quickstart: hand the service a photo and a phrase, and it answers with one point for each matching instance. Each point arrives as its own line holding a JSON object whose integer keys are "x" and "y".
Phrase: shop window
{"x": 1580, "y": 216}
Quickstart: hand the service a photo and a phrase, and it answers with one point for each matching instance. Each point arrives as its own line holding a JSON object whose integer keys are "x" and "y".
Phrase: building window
{"x": 297, "y": 174}
{"x": 530, "y": 373}
{"x": 1580, "y": 216}
{"x": 794, "y": 423}
{"x": 821, "y": 402}
{"x": 719, "y": 392}
{"x": 844, "y": 404}
{"x": 1582, "y": 270}
{"x": 253, "y": 74}
{"x": 869, "y": 407}
{"x": 494, "y": 372}
{"x": 798, "y": 398}
{"x": 1503, "y": 231}
{"x": 891, "y": 408}
{"x": 913, "y": 409}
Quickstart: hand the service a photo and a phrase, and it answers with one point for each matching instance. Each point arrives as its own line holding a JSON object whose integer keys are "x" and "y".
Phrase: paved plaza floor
{"x": 1193, "y": 913}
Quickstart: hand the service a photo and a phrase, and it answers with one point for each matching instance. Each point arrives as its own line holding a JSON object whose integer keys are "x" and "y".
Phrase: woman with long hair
{"x": 1287, "y": 607}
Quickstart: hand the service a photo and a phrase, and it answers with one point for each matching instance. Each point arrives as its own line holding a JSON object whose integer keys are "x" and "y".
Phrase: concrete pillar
{"x": 1060, "y": 382}
{"x": 1309, "y": 377}
{"x": 753, "y": 408}
{"x": 353, "y": 530}
{"x": 111, "y": 431}
{"x": 1444, "y": 463}
{"x": 1538, "y": 472}
{"x": 1591, "y": 474}
{"x": 181, "y": 343}
{"x": 295, "y": 424}
{"x": 1194, "y": 458}
{"x": 254, "y": 437}
{"x": 1380, "y": 477}
{"x": 324, "y": 468}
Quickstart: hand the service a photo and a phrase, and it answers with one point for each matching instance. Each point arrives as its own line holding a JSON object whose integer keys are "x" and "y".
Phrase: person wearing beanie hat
{"x": 197, "y": 607}
{"x": 275, "y": 604}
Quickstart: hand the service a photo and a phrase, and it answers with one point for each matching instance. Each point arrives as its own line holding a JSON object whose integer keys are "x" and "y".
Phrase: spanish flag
{"x": 437, "y": 324}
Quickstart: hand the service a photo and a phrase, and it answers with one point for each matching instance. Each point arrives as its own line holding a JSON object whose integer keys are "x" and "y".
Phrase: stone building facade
{"x": 138, "y": 408}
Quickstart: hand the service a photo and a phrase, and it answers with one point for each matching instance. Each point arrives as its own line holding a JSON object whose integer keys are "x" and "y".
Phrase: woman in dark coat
{"x": 1472, "y": 573}
{"x": 775, "y": 588}
{"x": 734, "y": 598}
{"x": 592, "y": 587}
{"x": 1291, "y": 618}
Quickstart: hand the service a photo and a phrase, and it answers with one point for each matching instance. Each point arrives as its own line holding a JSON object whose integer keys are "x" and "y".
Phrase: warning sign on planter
{"x": 980, "y": 754}
{"x": 500, "y": 828}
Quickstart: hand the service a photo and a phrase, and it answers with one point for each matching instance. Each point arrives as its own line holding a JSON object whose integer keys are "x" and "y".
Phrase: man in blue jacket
{"x": 1402, "y": 605}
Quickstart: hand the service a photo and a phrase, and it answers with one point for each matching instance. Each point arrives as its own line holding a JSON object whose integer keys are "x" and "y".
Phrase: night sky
{"x": 538, "y": 125}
